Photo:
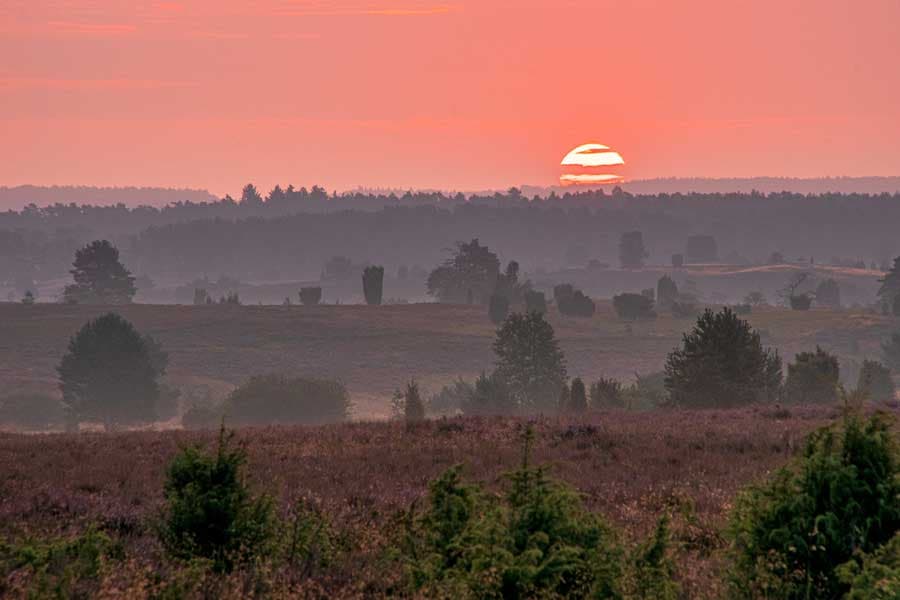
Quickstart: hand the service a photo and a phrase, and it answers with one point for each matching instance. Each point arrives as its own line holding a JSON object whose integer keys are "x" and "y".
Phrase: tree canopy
{"x": 529, "y": 360}
{"x": 470, "y": 275}
{"x": 100, "y": 277}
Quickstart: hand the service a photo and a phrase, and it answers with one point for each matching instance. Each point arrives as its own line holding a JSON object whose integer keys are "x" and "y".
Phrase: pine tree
{"x": 529, "y": 360}
{"x": 100, "y": 278}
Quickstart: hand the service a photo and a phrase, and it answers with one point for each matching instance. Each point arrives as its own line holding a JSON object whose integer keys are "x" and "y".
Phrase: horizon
{"x": 211, "y": 95}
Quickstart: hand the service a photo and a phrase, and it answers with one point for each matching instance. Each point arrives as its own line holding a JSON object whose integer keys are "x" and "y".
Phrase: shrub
{"x": 651, "y": 568}
{"x": 647, "y": 392}
{"x": 874, "y": 576}
{"x": 607, "y": 393}
{"x": 578, "y": 397}
{"x": 490, "y": 395}
{"x": 790, "y": 535}
{"x": 535, "y": 302}
{"x": 876, "y": 382}
{"x": 310, "y": 296}
{"x": 576, "y": 305}
{"x": 535, "y": 540}
{"x": 722, "y": 362}
{"x": 274, "y": 399}
{"x": 373, "y": 285}
{"x": 529, "y": 360}
{"x": 666, "y": 292}
{"x": 28, "y": 298}
{"x": 310, "y": 541}
{"x": 210, "y": 512}
{"x": 800, "y": 301}
{"x": 563, "y": 291}
{"x": 31, "y": 410}
{"x": 891, "y": 352}
{"x": 110, "y": 372}
{"x": 60, "y": 568}
{"x": 498, "y": 308}
{"x": 633, "y": 306}
{"x": 813, "y": 377}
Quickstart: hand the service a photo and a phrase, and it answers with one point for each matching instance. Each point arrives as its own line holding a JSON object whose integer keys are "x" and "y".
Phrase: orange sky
{"x": 457, "y": 95}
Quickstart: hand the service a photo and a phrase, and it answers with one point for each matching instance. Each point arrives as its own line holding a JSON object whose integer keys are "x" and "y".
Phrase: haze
{"x": 455, "y": 95}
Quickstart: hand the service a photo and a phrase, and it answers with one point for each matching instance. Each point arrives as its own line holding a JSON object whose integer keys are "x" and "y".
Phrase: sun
{"x": 591, "y": 163}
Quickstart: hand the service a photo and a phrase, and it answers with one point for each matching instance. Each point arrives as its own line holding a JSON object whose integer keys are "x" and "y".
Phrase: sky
{"x": 456, "y": 95}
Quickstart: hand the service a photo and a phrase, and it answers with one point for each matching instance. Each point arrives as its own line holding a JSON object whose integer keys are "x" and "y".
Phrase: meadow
{"x": 376, "y": 349}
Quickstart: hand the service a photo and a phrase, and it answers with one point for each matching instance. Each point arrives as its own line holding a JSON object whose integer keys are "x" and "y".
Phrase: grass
{"x": 629, "y": 466}
{"x": 375, "y": 349}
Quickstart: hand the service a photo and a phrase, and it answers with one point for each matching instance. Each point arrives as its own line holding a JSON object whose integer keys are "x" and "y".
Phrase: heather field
{"x": 374, "y": 349}
{"x": 629, "y": 466}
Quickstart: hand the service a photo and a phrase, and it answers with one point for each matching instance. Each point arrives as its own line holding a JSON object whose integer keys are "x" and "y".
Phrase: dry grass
{"x": 628, "y": 466}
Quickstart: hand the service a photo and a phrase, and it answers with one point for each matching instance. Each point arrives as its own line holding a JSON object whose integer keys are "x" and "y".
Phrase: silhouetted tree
{"x": 573, "y": 303}
{"x": 702, "y": 249}
{"x": 721, "y": 363}
{"x": 491, "y": 396}
{"x": 250, "y": 197}
{"x": 373, "y": 285}
{"x": 310, "y": 296}
{"x": 100, "y": 278}
{"x": 607, "y": 393}
{"x": 469, "y": 275}
{"x": 631, "y": 250}
{"x": 529, "y": 360}
{"x": 28, "y": 298}
{"x": 666, "y": 292}
{"x": 813, "y": 377}
{"x": 413, "y": 405}
{"x": 828, "y": 293}
{"x": 633, "y": 306}
{"x": 498, "y": 308}
{"x": 890, "y": 287}
{"x": 110, "y": 373}
{"x": 201, "y": 297}
{"x": 876, "y": 381}
{"x": 535, "y": 302}
{"x": 577, "y": 397}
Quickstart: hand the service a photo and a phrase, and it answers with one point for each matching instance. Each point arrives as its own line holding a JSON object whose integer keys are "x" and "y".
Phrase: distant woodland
{"x": 291, "y": 233}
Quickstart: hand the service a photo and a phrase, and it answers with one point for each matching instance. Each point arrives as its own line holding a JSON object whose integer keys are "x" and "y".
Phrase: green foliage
{"x": 534, "y": 540}
{"x": 310, "y": 296}
{"x": 666, "y": 292}
{"x": 490, "y": 395}
{"x": 891, "y": 352}
{"x": 100, "y": 278}
{"x": 876, "y": 382}
{"x": 577, "y": 397}
{"x": 607, "y": 392}
{"x": 274, "y": 399}
{"x": 110, "y": 373}
{"x": 874, "y": 576}
{"x": 631, "y": 250}
{"x": 535, "y": 302}
{"x": 789, "y": 535}
{"x": 373, "y": 285}
{"x": 650, "y": 570}
{"x": 309, "y": 540}
{"x": 61, "y": 568}
{"x": 813, "y": 377}
{"x": 722, "y": 363}
{"x": 210, "y": 512}
{"x": 529, "y": 360}
{"x": 498, "y": 308}
{"x": 633, "y": 307}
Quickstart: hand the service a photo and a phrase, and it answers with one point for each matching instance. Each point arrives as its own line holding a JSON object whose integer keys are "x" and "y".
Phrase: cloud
{"x": 91, "y": 28}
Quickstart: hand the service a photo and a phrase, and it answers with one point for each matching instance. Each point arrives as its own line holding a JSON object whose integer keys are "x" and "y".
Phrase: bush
{"x": 800, "y": 301}
{"x": 577, "y": 397}
{"x": 813, "y": 377}
{"x": 31, "y": 410}
{"x": 310, "y": 296}
{"x": 210, "y": 512}
{"x": 373, "y": 285}
{"x": 666, "y": 292}
{"x": 276, "y": 399}
{"x": 647, "y": 392}
{"x": 110, "y": 373}
{"x": 633, "y": 306}
{"x": 874, "y": 576}
{"x": 535, "y": 302}
{"x": 577, "y": 305}
{"x": 535, "y": 540}
{"x": 876, "y": 382}
{"x": 498, "y": 308}
{"x": 607, "y": 393}
{"x": 722, "y": 363}
{"x": 651, "y": 568}
{"x": 790, "y": 535}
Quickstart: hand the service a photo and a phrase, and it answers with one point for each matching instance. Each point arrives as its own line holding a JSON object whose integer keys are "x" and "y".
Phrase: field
{"x": 629, "y": 466}
{"x": 374, "y": 350}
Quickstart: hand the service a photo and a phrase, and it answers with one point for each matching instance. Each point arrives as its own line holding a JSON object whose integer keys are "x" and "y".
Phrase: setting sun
{"x": 591, "y": 163}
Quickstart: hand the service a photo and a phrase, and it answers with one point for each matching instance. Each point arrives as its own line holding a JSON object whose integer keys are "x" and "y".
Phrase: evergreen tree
{"x": 100, "y": 278}
{"x": 498, "y": 308}
{"x": 373, "y": 285}
{"x": 875, "y": 380}
{"x": 666, "y": 292}
{"x": 722, "y": 363}
{"x": 529, "y": 360}
{"x": 110, "y": 373}
{"x": 470, "y": 275}
{"x": 578, "y": 397}
{"x": 890, "y": 286}
{"x": 631, "y": 250}
{"x": 813, "y": 377}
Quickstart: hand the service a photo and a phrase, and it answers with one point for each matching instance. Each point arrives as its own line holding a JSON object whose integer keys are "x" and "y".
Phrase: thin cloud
{"x": 91, "y": 28}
